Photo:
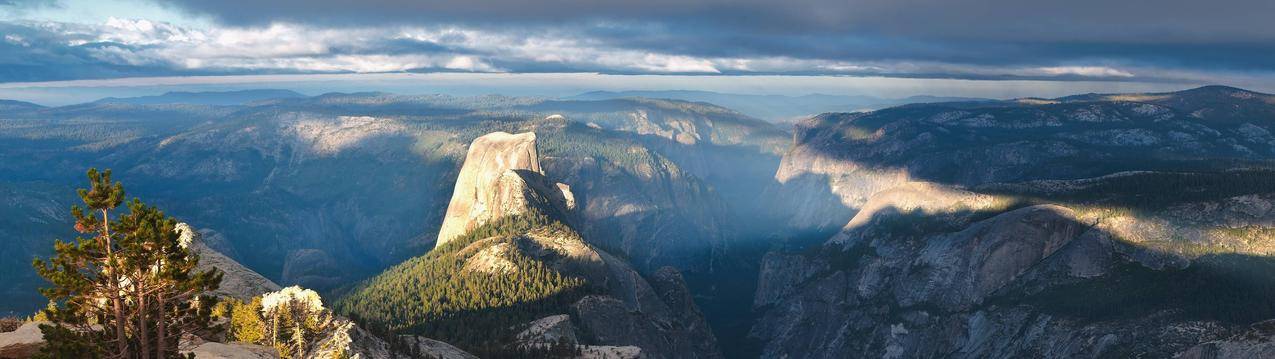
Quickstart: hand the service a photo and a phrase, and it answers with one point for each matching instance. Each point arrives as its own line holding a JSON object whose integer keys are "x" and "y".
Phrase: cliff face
{"x": 950, "y": 273}
{"x": 495, "y": 181}
{"x": 656, "y": 217}
{"x": 1112, "y": 225}
{"x": 839, "y": 160}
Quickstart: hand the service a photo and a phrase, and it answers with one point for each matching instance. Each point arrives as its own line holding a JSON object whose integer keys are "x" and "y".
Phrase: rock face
{"x": 436, "y": 348}
{"x": 899, "y": 284}
{"x": 355, "y": 342}
{"x": 27, "y": 341}
{"x": 634, "y": 312}
{"x": 237, "y": 281}
{"x": 670, "y": 285}
{"x": 214, "y": 350}
{"x": 499, "y": 178}
{"x": 549, "y": 330}
{"x": 842, "y": 303}
{"x": 23, "y": 342}
{"x": 657, "y": 318}
{"x": 839, "y": 160}
{"x": 1256, "y": 342}
{"x": 959, "y": 240}
{"x": 652, "y": 211}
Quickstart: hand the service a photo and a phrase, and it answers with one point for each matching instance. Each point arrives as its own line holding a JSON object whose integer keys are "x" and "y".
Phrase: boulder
{"x": 436, "y": 348}
{"x": 215, "y": 350}
{"x": 549, "y": 330}
{"x": 21, "y": 343}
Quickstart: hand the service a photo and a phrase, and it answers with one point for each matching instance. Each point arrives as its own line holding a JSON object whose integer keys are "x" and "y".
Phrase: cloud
{"x": 979, "y": 19}
{"x": 1131, "y": 40}
{"x": 56, "y": 51}
{"x": 136, "y": 45}
{"x": 1093, "y": 71}
{"x": 1226, "y": 34}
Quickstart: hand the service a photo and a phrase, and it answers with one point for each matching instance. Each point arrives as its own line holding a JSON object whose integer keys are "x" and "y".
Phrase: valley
{"x": 1125, "y": 225}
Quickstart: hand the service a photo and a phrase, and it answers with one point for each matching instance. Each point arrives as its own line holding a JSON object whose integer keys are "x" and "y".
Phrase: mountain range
{"x": 781, "y": 109}
{"x": 1095, "y": 225}
{"x": 214, "y": 98}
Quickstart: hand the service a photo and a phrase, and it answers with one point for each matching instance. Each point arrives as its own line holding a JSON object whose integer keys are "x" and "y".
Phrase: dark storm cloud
{"x": 1133, "y": 20}
{"x": 1231, "y": 34}
{"x": 1139, "y": 40}
{"x": 32, "y": 57}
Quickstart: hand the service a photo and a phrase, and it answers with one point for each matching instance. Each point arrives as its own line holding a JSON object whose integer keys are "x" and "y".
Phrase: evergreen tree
{"x": 131, "y": 289}
{"x": 246, "y": 324}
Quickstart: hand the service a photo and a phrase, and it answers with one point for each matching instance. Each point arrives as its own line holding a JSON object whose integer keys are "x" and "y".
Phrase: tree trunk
{"x": 142, "y": 314}
{"x": 121, "y": 337}
{"x": 162, "y": 328}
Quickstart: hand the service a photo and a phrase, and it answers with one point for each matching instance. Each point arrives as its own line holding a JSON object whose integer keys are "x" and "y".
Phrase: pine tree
{"x": 131, "y": 289}
{"x": 246, "y": 324}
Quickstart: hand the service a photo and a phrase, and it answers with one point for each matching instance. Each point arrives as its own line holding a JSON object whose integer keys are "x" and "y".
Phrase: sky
{"x": 985, "y": 48}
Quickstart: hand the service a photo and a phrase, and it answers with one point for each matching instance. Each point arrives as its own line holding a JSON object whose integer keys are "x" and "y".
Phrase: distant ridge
{"x": 11, "y": 105}
{"x": 1198, "y": 92}
{"x": 214, "y": 98}
{"x": 776, "y": 108}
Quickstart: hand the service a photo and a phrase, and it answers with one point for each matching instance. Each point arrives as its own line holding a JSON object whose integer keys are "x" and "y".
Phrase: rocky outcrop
{"x": 610, "y": 352}
{"x": 501, "y": 177}
{"x": 347, "y": 338}
{"x": 27, "y": 341}
{"x": 657, "y": 317}
{"x": 549, "y": 330}
{"x": 435, "y": 348}
{"x": 23, "y": 342}
{"x": 1256, "y": 342}
{"x": 215, "y": 350}
{"x": 237, "y": 281}
{"x": 558, "y": 329}
{"x": 670, "y": 285}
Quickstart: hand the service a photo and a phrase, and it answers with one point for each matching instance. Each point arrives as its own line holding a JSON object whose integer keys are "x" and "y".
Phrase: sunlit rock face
{"x": 1086, "y": 226}
{"x": 501, "y": 177}
{"x": 839, "y": 160}
{"x": 488, "y": 186}
{"x": 24, "y": 342}
{"x": 237, "y": 281}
